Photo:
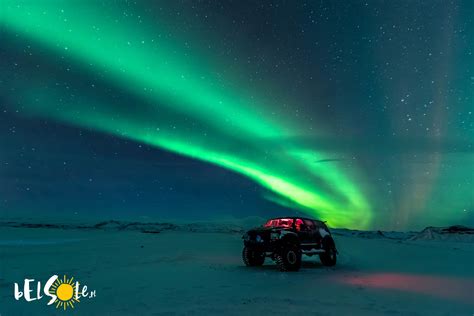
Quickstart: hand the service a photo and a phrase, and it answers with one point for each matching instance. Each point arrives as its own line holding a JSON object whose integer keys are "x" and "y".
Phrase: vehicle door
{"x": 311, "y": 230}
{"x": 303, "y": 232}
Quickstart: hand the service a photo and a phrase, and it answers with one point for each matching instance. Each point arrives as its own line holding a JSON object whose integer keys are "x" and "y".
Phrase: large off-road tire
{"x": 252, "y": 258}
{"x": 289, "y": 258}
{"x": 329, "y": 257}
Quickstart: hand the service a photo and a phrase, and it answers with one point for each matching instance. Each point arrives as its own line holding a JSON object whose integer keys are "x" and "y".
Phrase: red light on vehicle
{"x": 280, "y": 222}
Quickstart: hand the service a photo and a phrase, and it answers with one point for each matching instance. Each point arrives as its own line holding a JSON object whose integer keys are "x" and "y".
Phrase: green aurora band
{"x": 221, "y": 126}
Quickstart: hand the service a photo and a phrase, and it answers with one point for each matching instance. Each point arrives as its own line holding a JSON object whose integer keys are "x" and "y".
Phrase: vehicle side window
{"x": 309, "y": 224}
{"x": 298, "y": 224}
{"x": 319, "y": 225}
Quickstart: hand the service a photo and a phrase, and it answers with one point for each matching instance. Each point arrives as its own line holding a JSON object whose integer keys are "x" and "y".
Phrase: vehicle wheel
{"x": 329, "y": 257}
{"x": 289, "y": 258}
{"x": 252, "y": 258}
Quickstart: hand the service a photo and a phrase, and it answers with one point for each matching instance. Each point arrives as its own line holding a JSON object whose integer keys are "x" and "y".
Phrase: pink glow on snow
{"x": 461, "y": 289}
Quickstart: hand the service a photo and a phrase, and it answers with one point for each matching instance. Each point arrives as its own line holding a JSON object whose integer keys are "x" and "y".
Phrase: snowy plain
{"x": 196, "y": 269}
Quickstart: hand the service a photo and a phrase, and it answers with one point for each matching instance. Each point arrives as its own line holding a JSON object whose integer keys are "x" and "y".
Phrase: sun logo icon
{"x": 64, "y": 289}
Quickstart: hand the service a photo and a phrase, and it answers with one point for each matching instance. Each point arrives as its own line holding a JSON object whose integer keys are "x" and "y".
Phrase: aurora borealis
{"x": 367, "y": 125}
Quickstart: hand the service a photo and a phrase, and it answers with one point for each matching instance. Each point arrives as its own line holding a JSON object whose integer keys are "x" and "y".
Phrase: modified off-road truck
{"x": 286, "y": 239}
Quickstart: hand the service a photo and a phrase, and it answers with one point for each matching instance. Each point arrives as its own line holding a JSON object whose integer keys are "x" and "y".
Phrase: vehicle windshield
{"x": 280, "y": 222}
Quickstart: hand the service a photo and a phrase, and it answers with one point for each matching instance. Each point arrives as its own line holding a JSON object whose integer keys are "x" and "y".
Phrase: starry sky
{"x": 355, "y": 112}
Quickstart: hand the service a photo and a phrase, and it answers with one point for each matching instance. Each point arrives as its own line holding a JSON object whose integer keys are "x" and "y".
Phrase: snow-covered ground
{"x": 176, "y": 269}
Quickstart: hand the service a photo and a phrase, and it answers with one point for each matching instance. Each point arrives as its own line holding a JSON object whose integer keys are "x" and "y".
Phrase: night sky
{"x": 355, "y": 112}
